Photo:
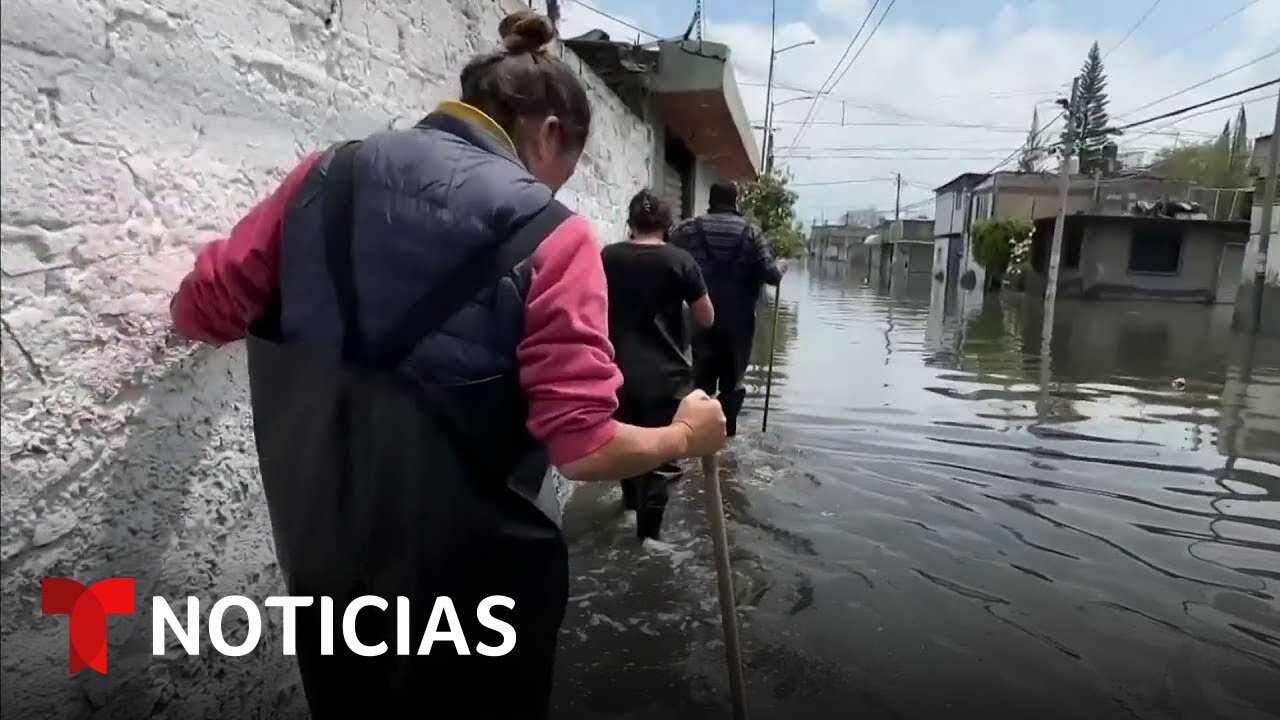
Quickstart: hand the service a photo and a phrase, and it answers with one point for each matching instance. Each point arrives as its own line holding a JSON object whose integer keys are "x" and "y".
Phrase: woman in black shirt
{"x": 650, "y": 282}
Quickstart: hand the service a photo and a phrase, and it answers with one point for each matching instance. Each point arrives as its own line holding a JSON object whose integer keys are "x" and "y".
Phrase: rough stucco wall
{"x": 1108, "y": 262}
{"x": 133, "y": 130}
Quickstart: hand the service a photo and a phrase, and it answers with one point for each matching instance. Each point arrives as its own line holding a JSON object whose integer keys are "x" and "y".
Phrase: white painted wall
{"x": 703, "y": 178}
{"x": 132, "y": 131}
{"x": 947, "y": 214}
{"x": 1273, "y": 247}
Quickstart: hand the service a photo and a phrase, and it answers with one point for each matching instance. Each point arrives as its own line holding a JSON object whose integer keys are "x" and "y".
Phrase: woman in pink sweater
{"x": 428, "y": 332}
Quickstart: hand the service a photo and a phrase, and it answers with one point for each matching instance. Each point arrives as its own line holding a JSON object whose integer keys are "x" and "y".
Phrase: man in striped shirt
{"x": 736, "y": 263}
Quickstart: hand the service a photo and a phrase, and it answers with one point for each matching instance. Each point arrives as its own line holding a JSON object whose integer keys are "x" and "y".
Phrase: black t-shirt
{"x": 648, "y": 287}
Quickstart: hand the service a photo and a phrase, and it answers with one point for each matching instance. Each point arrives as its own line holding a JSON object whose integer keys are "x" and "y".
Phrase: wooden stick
{"x": 773, "y": 348}
{"x": 724, "y": 577}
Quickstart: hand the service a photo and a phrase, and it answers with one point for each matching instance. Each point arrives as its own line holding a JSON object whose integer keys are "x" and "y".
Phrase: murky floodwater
{"x": 939, "y": 524}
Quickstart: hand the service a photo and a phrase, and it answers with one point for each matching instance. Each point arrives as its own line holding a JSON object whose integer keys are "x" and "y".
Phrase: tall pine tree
{"x": 1240, "y": 146}
{"x": 1092, "y": 130}
{"x": 1031, "y": 150}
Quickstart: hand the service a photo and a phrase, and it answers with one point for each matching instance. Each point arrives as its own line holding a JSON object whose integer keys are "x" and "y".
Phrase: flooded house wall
{"x": 704, "y": 176}
{"x": 1270, "y": 322}
{"x": 918, "y": 257}
{"x": 133, "y": 132}
{"x": 948, "y": 212}
{"x": 1104, "y": 265}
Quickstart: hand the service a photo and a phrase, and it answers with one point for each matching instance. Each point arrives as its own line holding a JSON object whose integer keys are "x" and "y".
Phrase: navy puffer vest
{"x": 426, "y": 199}
{"x": 409, "y": 475}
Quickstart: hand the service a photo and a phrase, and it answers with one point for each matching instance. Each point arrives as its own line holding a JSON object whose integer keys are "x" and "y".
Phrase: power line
{"x": 895, "y": 157}
{"x": 1031, "y": 143}
{"x": 887, "y": 123}
{"x": 1165, "y": 129}
{"x": 1216, "y": 23}
{"x": 1202, "y": 83}
{"x": 823, "y": 87}
{"x": 1189, "y": 108}
{"x": 616, "y": 19}
{"x": 889, "y": 148}
{"x": 852, "y": 181}
{"x": 1131, "y": 30}
{"x": 865, "y": 43}
{"x": 852, "y": 60}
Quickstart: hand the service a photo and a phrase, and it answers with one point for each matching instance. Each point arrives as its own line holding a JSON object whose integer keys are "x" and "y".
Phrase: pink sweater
{"x": 566, "y": 360}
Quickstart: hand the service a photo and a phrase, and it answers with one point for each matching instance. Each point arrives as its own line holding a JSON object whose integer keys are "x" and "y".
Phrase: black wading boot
{"x": 732, "y": 404}
{"x": 649, "y": 523}
{"x": 629, "y": 494}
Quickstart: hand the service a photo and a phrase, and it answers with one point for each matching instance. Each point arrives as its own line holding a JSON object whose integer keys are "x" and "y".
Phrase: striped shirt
{"x": 727, "y": 247}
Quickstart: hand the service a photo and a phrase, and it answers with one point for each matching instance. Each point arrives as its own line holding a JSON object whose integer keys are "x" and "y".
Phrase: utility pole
{"x": 767, "y": 150}
{"x": 768, "y": 157}
{"x": 1064, "y": 184}
{"x": 897, "y": 200}
{"x": 1264, "y": 232}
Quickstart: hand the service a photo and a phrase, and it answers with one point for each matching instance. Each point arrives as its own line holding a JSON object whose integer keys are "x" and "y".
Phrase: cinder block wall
{"x": 133, "y": 130}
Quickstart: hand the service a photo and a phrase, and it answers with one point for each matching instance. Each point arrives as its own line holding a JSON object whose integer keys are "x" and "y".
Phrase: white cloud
{"x": 912, "y": 79}
{"x": 580, "y": 16}
{"x": 850, "y": 11}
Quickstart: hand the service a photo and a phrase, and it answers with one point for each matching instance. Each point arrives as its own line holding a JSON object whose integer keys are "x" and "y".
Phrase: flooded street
{"x": 932, "y": 530}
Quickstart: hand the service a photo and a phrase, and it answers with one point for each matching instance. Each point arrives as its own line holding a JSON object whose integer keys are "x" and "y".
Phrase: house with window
{"x": 841, "y": 242}
{"x": 1142, "y": 257}
{"x": 910, "y": 243}
{"x": 972, "y": 198}
{"x": 951, "y": 226}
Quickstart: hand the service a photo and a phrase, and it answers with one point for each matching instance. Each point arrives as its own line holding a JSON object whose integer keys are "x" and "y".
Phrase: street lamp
{"x": 793, "y": 46}
{"x": 780, "y": 103}
{"x": 767, "y": 149}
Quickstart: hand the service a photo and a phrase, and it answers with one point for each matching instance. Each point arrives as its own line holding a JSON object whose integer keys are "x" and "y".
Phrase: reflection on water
{"x": 943, "y": 522}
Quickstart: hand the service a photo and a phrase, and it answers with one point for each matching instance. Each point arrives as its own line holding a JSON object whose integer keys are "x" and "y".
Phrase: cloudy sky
{"x": 949, "y": 86}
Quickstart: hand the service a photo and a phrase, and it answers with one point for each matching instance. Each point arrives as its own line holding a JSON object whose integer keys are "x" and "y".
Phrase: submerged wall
{"x": 132, "y": 131}
{"x": 1246, "y": 295}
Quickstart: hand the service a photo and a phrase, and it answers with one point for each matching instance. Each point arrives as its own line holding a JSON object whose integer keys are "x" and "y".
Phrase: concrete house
{"x": 841, "y": 242}
{"x": 910, "y": 246}
{"x": 971, "y": 198}
{"x": 686, "y": 92}
{"x": 951, "y": 226}
{"x": 1138, "y": 257}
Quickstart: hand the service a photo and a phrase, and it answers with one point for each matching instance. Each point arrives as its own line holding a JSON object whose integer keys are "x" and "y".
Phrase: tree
{"x": 1031, "y": 151}
{"x": 994, "y": 242}
{"x": 1091, "y": 131}
{"x": 772, "y": 205}
{"x": 1222, "y": 162}
{"x": 1240, "y": 145}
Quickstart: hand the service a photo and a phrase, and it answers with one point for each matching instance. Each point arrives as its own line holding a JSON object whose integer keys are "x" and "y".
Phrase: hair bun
{"x": 525, "y": 32}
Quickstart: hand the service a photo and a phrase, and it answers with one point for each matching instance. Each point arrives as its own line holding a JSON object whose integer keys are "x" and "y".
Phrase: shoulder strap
{"x": 338, "y": 201}
{"x": 701, "y": 233}
{"x": 744, "y": 239}
{"x": 477, "y": 273}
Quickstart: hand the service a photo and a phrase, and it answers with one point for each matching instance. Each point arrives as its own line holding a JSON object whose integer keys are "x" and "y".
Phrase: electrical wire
{"x": 852, "y": 181}
{"x": 1131, "y": 30}
{"x": 616, "y": 19}
{"x": 1030, "y": 144}
{"x": 866, "y": 42}
{"x": 1189, "y": 108}
{"x": 1166, "y": 128}
{"x": 822, "y": 89}
{"x": 1215, "y": 24}
{"x": 894, "y": 157}
{"x": 1202, "y": 83}
{"x": 886, "y": 123}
